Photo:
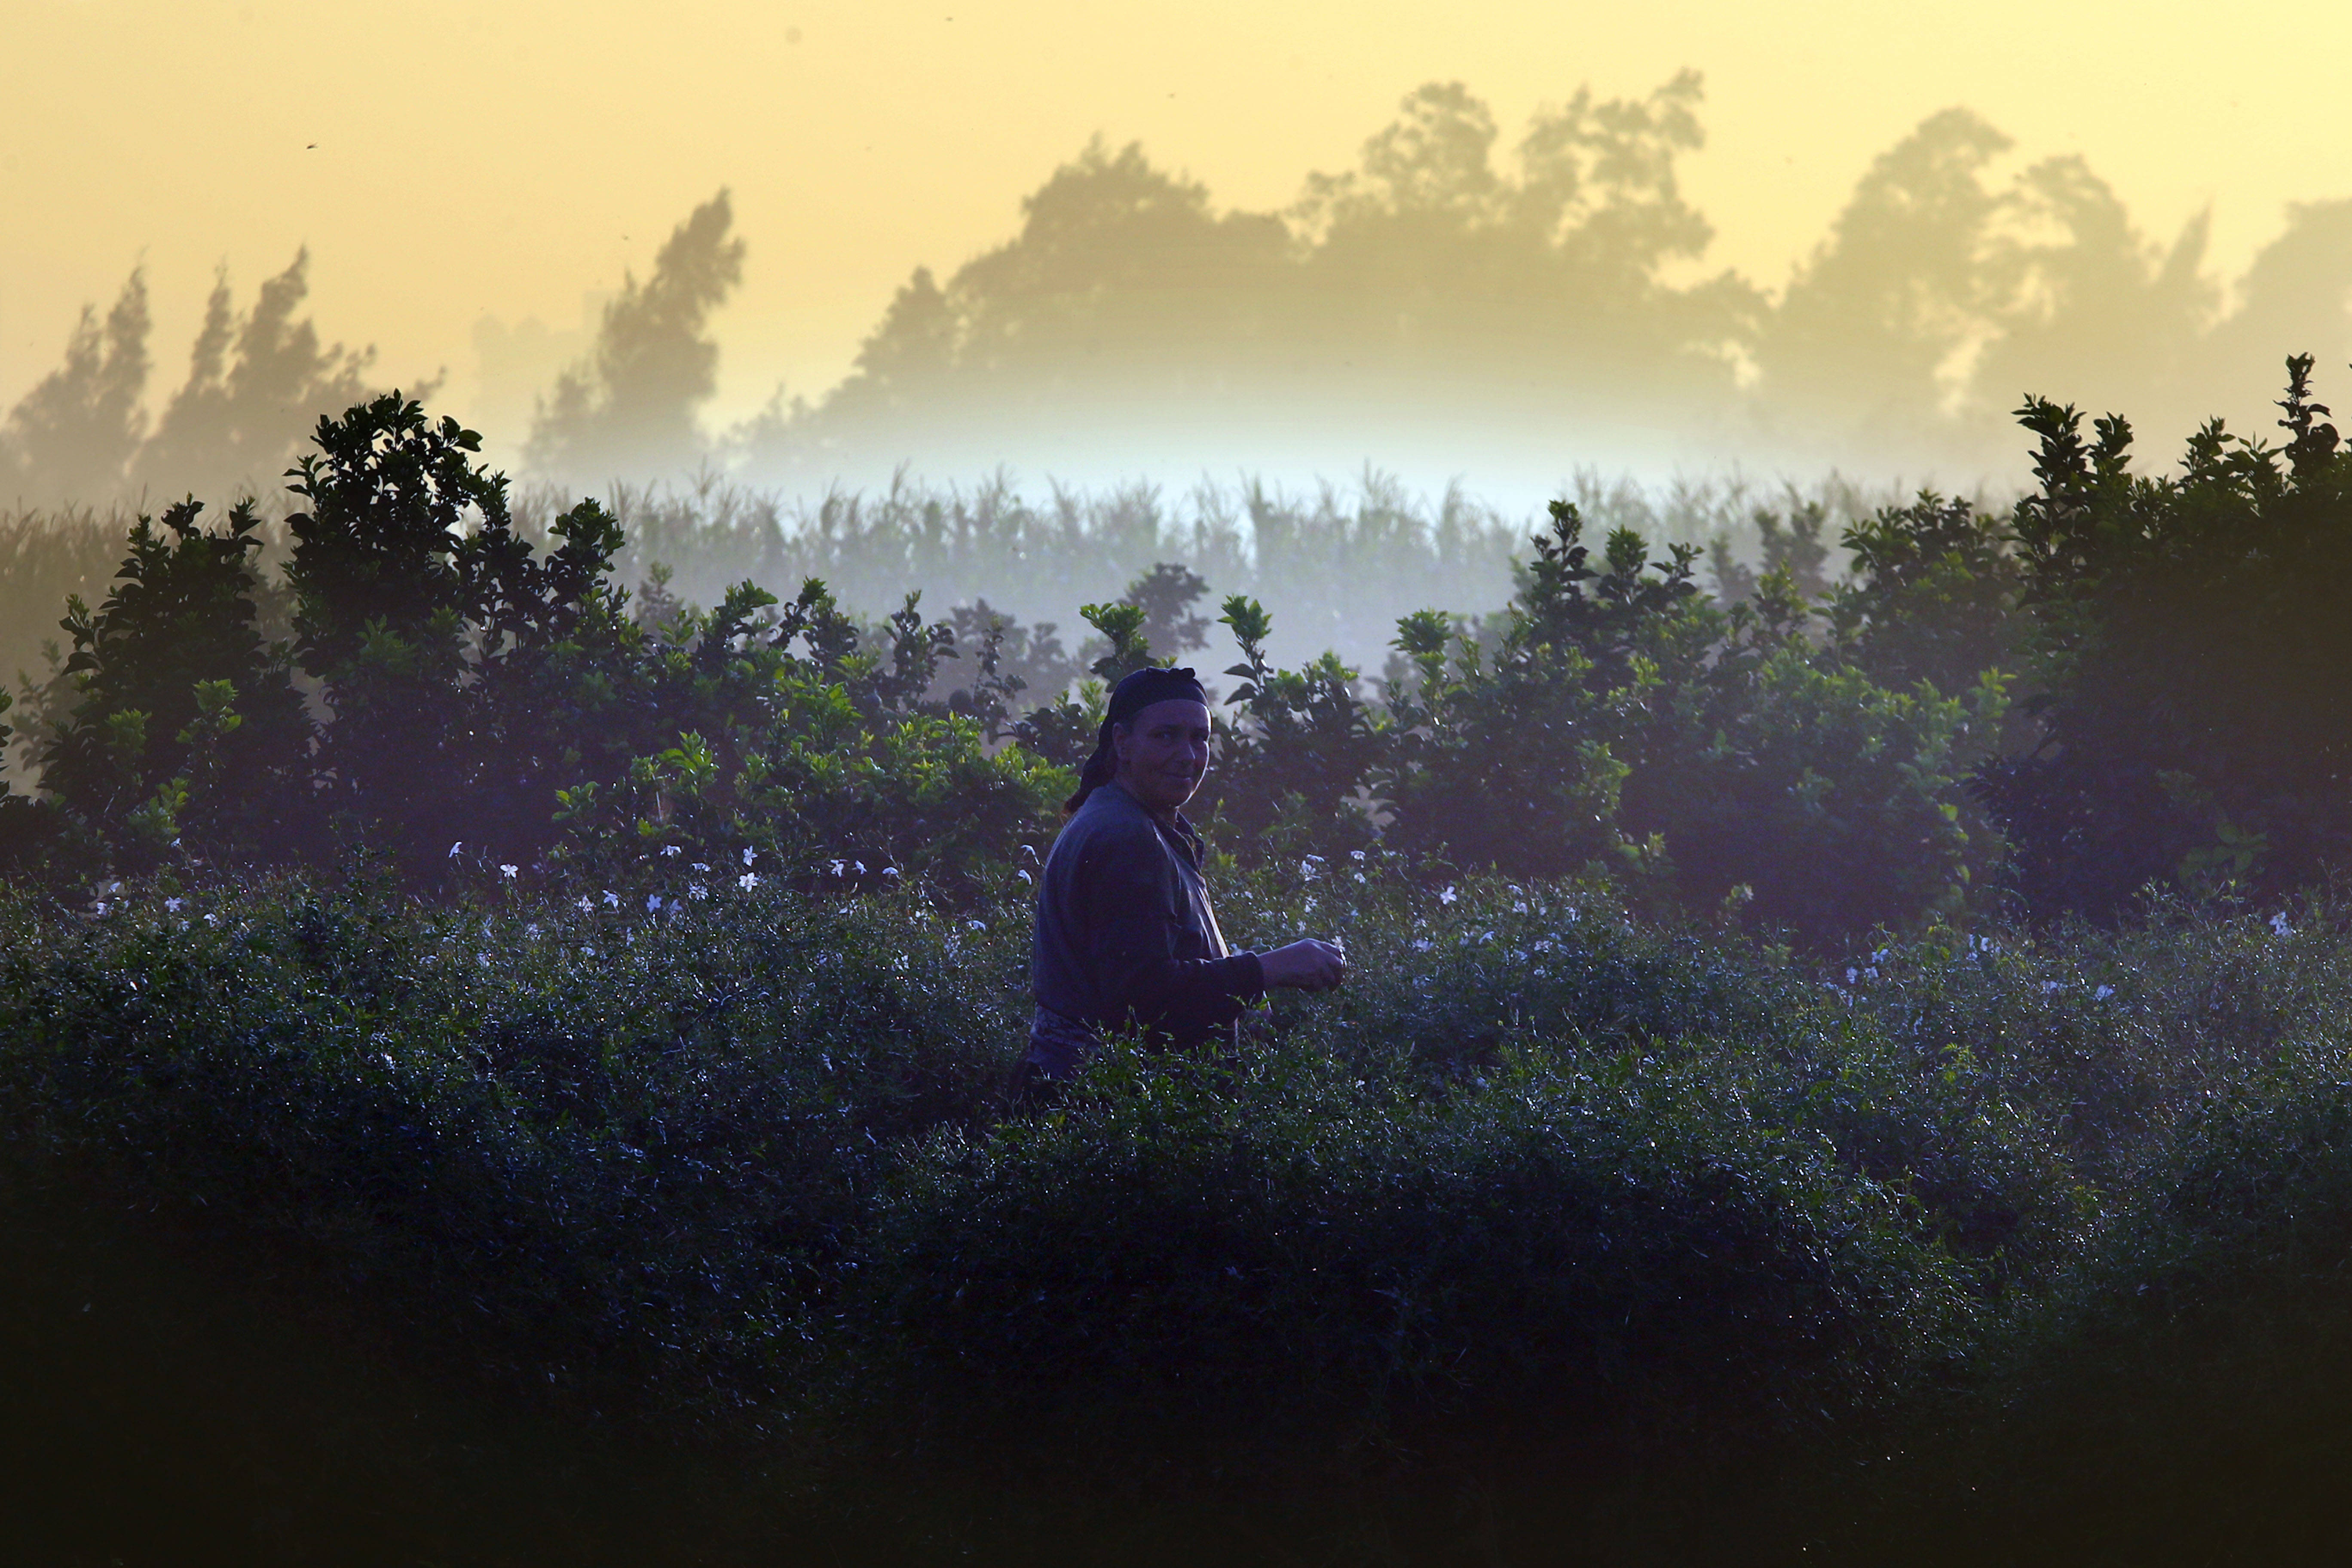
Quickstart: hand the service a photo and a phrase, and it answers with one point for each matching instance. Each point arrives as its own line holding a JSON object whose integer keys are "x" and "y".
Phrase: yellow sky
{"x": 446, "y": 162}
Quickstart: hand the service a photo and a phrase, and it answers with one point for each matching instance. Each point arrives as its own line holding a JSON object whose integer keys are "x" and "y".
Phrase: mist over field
{"x": 1497, "y": 306}
{"x": 1399, "y": 367}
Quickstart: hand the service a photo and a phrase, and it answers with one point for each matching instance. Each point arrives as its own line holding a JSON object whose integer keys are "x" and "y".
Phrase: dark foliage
{"x": 466, "y": 688}
{"x": 668, "y": 1104}
{"x": 183, "y": 721}
{"x": 2188, "y": 651}
{"x": 1626, "y": 728}
{"x": 1547, "y": 1199}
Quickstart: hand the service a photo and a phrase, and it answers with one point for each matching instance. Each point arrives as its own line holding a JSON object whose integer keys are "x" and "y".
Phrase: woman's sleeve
{"x": 1131, "y": 942}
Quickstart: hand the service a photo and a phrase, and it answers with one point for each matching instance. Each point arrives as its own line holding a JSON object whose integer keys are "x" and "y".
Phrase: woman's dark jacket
{"x": 1125, "y": 931}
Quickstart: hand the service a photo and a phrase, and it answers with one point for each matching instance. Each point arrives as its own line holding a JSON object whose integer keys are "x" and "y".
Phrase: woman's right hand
{"x": 1308, "y": 965}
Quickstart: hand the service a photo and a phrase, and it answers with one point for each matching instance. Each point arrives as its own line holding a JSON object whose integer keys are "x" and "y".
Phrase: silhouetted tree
{"x": 2080, "y": 298}
{"x": 1872, "y": 319}
{"x": 254, "y": 384}
{"x": 2297, "y": 291}
{"x": 1126, "y": 302}
{"x": 629, "y": 408}
{"x": 71, "y": 438}
{"x": 1427, "y": 257}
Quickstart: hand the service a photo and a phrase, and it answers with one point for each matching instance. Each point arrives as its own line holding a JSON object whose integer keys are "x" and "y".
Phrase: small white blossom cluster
{"x": 2098, "y": 994}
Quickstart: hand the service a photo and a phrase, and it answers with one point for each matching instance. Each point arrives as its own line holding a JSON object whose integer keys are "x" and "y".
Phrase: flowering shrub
{"x": 735, "y": 1163}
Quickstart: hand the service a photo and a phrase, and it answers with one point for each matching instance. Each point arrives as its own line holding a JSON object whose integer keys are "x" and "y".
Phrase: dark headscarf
{"x": 1142, "y": 689}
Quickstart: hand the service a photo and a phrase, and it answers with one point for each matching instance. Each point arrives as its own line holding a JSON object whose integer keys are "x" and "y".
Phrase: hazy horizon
{"x": 1725, "y": 283}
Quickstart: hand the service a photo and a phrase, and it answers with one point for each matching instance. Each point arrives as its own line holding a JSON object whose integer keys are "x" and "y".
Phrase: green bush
{"x": 471, "y": 701}
{"x": 181, "y": 721}
{"x": 1710, "y": 761}
{"x": 625, "y": 1145}
{"x": 1569, "y": 1246}
{"x": 1540, "y": 1179}
{"x": 2187, "y": 655}
{"x": 468, "y": 691}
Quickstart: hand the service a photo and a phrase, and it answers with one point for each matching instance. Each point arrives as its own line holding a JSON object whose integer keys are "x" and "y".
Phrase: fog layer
{"x": 1459, "y": 303}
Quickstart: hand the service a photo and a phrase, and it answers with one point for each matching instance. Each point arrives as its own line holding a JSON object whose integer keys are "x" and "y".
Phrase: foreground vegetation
{"x": 1831, "y": 1065}
{"x": 1574, "y": 1225}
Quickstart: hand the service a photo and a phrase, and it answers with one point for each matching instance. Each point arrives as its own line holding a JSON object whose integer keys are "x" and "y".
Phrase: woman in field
{"x": 1125, "y": 933}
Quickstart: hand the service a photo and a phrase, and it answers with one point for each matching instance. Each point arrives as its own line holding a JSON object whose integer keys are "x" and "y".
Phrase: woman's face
{"x": 1163, "y": 752}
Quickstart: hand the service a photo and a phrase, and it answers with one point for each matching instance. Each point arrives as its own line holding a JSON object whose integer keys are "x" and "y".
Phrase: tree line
{"x": 1445, "y": 299}
{"x": 2128, "y": 681}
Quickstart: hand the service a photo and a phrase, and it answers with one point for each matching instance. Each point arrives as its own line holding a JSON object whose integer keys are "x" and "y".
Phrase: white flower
{"x": 653, "y": 904}
{"x": 750, "y": 855}
{"x": 2279, "y": 925}
{"x": 1445, "y": 895}
{"x": 530, "y": 930}
{"x": 889, "y": 870}
{"x": 611, "y": 898}
{"x": 698, "y": 866}
{"x": 98, "y": 907}
{"x": 1850, "y": 975}
{"x": 2103, "y": 993}
{"x": 697, "y": 891}
{"x": 748, "y": 880}
{"x": 1421, "y": 944}
{"x": 509, "y": 872}
{"x": 2050, "y": 985}
{"x": 454, "y": 847}
{"x": 171, "y": 906}
{"x": 977, "y": 925}
{"x": 1355, "y": 854}
{"x": 587, "y": 905}
{"x": 839, "y": 867}
{"x": 858, "y": 866}
{"x": 669, "y": 851}
{"x": 1026, "y": 877}
{"x": 1518, "y": 909}
{"x": 212, "y": 918}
